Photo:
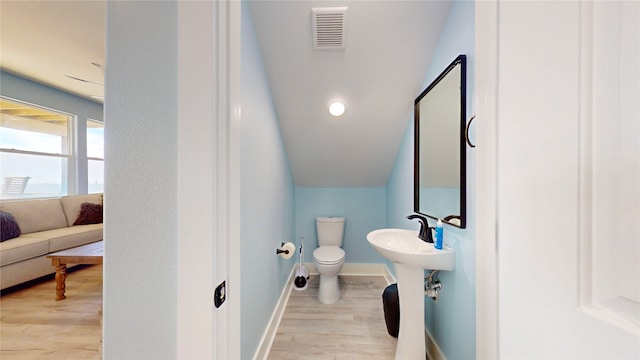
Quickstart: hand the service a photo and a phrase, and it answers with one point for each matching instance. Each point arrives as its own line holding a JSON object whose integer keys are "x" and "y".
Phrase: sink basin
{"x": 403, "y": 246}
{"x": 411, "y": 256}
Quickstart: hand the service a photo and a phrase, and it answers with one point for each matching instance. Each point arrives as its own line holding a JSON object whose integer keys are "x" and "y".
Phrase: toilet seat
{"x": 328, "y": 255}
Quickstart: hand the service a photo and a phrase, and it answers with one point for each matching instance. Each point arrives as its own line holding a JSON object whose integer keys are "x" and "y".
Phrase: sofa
{"x": 44, "y": 226}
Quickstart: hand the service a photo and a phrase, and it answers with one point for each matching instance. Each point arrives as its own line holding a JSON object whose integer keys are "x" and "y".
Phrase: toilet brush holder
{"x": 301, "y": 281}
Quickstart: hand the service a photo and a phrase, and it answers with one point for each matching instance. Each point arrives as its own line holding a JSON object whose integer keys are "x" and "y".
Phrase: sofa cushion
{"x": 72, "y": 203}
{"x": 23, "y": 248}
{"x": 65, "y": 238}
{"x": 36, "y": 215}
{"x": 89, "y": 214}
{"x": 9, "y": 228}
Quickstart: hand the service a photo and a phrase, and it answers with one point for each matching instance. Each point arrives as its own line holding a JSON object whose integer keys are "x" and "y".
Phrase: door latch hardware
{"x": 220, "y": 294}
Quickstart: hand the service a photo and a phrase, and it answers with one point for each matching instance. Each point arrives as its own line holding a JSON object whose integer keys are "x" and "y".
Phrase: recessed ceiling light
{"x": 336, "y": 108}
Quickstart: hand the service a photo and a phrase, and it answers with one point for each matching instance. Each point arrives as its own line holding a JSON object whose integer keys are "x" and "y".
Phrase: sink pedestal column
{"x": 411, "y": 343}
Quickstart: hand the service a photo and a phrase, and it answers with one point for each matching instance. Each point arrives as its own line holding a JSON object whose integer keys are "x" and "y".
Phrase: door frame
{"x": 209, "y": 179}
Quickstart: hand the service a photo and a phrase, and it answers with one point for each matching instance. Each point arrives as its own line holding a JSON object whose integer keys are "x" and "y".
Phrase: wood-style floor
{"x": 352, "y": 328}
{"x": 35, "y": 326}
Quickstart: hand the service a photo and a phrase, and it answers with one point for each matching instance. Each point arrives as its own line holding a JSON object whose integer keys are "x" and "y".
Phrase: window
{"x": 34, "y": 150}
{"x": 95, "y": 156}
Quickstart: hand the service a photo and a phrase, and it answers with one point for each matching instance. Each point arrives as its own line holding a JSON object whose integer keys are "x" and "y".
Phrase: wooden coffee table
{"x": 85, "y": 254}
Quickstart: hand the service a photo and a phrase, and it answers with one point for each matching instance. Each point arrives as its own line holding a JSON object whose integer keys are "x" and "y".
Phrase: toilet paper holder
{"x": 281, "y": 251}
{"x": 286, "y": 250}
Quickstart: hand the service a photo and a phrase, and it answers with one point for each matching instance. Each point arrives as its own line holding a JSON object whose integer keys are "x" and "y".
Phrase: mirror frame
{"x": 460, "y": 60}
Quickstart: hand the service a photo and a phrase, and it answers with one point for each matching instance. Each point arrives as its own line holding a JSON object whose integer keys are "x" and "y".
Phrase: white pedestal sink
{"x": 410, "y": 256}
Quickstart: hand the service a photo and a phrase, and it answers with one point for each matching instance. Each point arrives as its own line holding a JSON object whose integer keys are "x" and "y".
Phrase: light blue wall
{"x": 26, "y": 90}
{"x": 363, "y": 207}
{"x": 18, "y": 88}
{"x": 399, "y": 189}
{"x": 266, "y": 196}
{"x": 451, "y": 320}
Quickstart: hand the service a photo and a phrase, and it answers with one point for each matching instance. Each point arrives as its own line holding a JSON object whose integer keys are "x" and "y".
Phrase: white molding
{"x": 356, "y": 269}
{"x": 585, "y": 164}
{"x": 208, "y": 145}
{"x": 262, "y": 352}
{"x": 224, "y": 319}
{"x": 487, "y": 250}
{"x": 433, "y": 350}
{"x": 195, "y": 149}
{"x": 388, "y": 275}
{"x": 232, "y": 13}
{"x": 601, "y": 102}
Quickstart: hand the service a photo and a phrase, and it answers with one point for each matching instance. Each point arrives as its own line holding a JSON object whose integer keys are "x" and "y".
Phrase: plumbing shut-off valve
{"x": 432, "y": 286}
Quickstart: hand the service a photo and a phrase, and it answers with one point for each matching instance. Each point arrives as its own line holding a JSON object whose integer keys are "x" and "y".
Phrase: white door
{"x": 558, "y": 136}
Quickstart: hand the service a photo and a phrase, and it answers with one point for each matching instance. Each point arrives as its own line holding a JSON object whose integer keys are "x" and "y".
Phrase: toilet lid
{"x": 328, "y": 254}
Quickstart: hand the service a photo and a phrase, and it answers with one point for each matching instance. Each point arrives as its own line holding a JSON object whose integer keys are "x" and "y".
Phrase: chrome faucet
{"x": 425, "y": 231}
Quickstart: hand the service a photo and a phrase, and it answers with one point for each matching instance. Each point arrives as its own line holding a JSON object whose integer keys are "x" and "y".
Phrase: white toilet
{"x": 329, "y": 257}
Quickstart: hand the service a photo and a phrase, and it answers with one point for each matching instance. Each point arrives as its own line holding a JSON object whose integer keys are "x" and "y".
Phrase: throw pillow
{"x": 8, "y": 226}
{"x": 89, "y": 214}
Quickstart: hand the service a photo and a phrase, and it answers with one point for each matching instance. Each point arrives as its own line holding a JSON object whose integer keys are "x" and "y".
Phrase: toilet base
{"x": 329, "y": 289}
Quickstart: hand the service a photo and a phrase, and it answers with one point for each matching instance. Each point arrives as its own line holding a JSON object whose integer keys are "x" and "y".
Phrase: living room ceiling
{"x": 48, "y": 41}
{"x": 378, "y": 74}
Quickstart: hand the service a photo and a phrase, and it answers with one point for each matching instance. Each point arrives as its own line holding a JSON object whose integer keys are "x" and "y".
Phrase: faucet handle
{"x": 425, "y": 231}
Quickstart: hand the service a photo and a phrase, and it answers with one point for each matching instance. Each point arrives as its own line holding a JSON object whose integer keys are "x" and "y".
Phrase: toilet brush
{"x": 301, "y": 280}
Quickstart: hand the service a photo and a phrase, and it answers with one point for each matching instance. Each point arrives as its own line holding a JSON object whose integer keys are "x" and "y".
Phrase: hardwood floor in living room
{"x": 35, "y": 326}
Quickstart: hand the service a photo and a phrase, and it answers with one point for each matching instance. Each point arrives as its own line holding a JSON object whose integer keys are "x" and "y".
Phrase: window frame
{"x": 69, "y": 174}
{"x": 93, "y": 158}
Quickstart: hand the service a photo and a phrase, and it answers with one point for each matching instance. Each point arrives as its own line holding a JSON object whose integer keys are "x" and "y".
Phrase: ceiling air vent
{"x": 329, "y": 26}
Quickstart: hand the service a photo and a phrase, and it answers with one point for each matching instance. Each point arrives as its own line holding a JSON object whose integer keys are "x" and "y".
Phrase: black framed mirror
{"x": 440, "y": 190}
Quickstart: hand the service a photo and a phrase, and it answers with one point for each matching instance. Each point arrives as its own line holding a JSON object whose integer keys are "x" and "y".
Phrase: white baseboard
{"x": 355, "y": 269}
{"x": 262, "y": 352}
{"x": 388, "y": 275}
{"x": 433, "y": 350}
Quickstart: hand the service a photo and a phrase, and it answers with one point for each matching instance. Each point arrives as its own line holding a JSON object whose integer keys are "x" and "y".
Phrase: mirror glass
{"x": 440, "y": 161}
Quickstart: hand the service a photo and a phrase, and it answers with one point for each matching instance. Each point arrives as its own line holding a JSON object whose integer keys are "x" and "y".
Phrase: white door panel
{"x": 610, "y": 241}
{"x": 566, "y": 138}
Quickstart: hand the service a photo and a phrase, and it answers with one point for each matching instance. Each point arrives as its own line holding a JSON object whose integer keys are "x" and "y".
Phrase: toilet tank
{"x": 330, "y": 230}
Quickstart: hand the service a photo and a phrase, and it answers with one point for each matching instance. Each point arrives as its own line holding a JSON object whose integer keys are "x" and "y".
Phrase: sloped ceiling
{"x": 388, "y": 48}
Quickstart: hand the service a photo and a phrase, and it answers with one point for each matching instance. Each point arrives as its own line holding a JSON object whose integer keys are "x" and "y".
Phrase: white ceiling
{"x": 388, "y": 49}
{"x": 46, "y": 40}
